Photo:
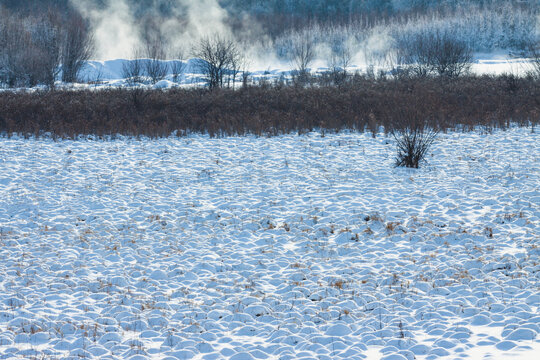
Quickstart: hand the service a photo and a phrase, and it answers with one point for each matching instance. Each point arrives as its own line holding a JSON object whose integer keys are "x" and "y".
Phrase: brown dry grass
{"x": 362, "y": 104}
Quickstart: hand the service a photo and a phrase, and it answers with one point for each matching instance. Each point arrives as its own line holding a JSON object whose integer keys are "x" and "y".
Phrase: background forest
{"x": 46, "y": 40}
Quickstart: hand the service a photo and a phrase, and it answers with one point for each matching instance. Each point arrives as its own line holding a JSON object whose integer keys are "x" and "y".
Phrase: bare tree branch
{"x": 77, "y": 48}
{"x": 155, "y": 50}
{"x": 217, "y": 56}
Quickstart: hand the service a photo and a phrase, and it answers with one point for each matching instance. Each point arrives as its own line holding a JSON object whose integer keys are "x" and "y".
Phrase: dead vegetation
{"x": 362, "y": 104}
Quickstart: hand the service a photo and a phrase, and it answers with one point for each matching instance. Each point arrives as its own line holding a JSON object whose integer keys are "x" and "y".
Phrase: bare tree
{"x": 14, "y": 43}
{"x": 30, "y": 52}
{"x": 77, "y": 47}
{"x": 451, "y": 57}
{"x": 44, "y": 53}
{"x": 34, "y": 46}
{"x": 132, "y": 69}
{"x": 340, "y": 60}
{"x": 302, "y": 53}
{"x": 155, "y": 66}
{"x": 414, "y": 55}
{"x": 216, "y": 56}
{"x": 434, "y": 54}
{"x": 238, "y": 62}
{"x": 154, "y": 50}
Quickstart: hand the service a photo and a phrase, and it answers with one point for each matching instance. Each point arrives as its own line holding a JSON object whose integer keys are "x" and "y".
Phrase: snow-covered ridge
{"x": 110, "y": 72}
{"x": 290, "y": 247}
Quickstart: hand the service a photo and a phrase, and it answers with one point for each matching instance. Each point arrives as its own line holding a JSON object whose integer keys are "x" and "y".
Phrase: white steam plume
{"x": 118, "y": 33}
{"x": 115, "y": 32}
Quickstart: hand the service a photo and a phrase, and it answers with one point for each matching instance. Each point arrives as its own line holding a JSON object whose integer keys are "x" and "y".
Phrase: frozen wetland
{"x": 290, "y": 247}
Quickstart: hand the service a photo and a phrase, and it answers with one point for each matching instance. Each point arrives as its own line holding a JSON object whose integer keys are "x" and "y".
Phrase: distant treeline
{"x": 279, "y": 17}
{"x": 44, "y": 41}
{"x": 39, "y": 45}
{"x": 360, "y": 104}
{"x": 300, "y": 9}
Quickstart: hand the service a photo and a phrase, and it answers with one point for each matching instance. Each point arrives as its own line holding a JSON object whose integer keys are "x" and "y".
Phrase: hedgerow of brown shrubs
{"x": 360, "y": 104}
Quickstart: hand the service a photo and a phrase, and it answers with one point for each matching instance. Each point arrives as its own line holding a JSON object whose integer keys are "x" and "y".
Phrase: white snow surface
{"x": 290, "y": 247}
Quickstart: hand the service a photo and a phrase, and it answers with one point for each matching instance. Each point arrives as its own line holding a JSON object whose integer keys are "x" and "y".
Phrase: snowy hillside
{"x": 290, "y": 247}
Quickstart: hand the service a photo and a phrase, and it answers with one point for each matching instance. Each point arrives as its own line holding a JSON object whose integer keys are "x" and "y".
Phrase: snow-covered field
{"x": 291, "y": 247}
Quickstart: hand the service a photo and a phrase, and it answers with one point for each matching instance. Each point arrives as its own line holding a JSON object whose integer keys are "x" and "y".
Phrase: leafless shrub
{"x": 302, "y": 54}
{"x": 217, "y": 55}
{"x": 433, "y": 53}
{"x": 413, "y": 143}
{"x": 414, "y": 55}
{"x": 156, "y": 68}
{"x": 452, "y": 57}
{"x": 340, "y": 60}
{"x": 132, "y": 70}
{"x": 341, "y": 56}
